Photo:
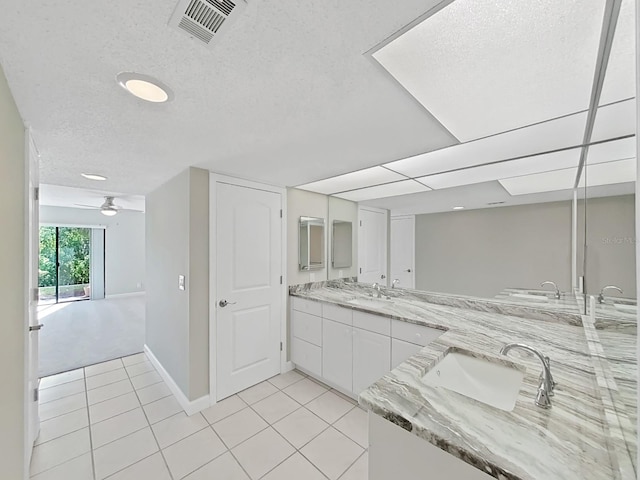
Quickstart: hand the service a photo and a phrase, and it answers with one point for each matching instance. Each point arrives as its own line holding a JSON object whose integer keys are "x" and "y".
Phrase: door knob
{"x": 383, "y": 276}
{"x": 35, "y": 328}
{"x": 224, "y": 303}
{"x": 408, "y": 270}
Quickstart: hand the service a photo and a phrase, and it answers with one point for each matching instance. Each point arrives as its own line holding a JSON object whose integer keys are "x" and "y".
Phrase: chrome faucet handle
{"x": 607, "y": 287}
{"x": 549, "y": 282}
{"x": 395, "y": 282}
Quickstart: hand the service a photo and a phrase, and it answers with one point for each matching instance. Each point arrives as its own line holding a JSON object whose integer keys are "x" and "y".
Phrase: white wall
{"x": 124, "y": 244}
{"x": 177, "y": 243}
{"x": 13, "y": 296}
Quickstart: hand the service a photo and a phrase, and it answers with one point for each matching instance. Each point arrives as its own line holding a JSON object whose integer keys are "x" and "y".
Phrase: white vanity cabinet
{"x": 349, "y": 349}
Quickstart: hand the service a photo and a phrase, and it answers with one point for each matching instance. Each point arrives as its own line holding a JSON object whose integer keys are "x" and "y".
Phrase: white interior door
{"x": 249, "y": 301}
{"x": 372, "y": 245}
{"x": 33, "y": 235}
{"x": 403, "y": 249}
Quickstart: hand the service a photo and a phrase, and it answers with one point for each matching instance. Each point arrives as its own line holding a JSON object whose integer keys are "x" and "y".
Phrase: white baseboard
{"x": 124, "y": 295}
{"x": 189, "y": 406}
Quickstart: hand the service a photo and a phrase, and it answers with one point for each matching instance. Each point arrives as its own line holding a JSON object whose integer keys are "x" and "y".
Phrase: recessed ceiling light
{"x": 458, "y": 208}
{"x": 144, "y": 87}
{"x": 93, "y": 176}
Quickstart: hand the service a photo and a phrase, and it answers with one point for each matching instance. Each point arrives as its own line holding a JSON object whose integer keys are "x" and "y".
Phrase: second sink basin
{"x": 370, "y": 302}
{"x": 487, "y": 381}
{"x": 621, "y": 307}
{"x": 530, "y": 298}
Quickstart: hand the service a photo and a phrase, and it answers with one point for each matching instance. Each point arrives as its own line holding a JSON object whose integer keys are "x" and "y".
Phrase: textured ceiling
{"x": 286, "y": 96}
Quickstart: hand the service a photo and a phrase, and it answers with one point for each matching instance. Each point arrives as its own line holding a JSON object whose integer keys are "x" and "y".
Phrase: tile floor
{"x": 119, "y": 420}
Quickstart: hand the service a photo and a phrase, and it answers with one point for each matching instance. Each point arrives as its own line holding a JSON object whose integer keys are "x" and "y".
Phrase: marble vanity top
{"x": 572, "y": 440}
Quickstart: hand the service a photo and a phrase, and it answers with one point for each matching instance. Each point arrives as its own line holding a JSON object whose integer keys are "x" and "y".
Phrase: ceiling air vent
{"x": 205, "y": 20}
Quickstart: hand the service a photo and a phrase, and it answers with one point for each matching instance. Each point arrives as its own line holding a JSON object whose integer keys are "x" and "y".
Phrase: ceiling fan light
{"x": 109, "y": 212}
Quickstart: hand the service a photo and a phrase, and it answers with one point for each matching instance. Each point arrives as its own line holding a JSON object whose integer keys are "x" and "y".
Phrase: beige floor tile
{"x": 355, "y": 425}
{"x": 109, "y": 391}
{"x": 300, "y": 427}
{"x": 332, "y": 452}
{"x": 285, "y": 379}
{"x": 153, "y": 392}
{"x": 62, "y": 405}
{"x": 174, "y": 429}
{"x": 107, "y": 378}
{"x": 275, "y": 407}
{"x": 59, "y": 379}
{"x": 329, "y": 406}
{"x": 79, "y": 468}
{"x": 140, "y": 368}
{"x": 124, "y": 452}
{"x": 304, "y": 391}
{"x": 118, "y": 427}
{"x": 160, "y": 409}
{"x": 150, "y": 468}
{"x": 62, "y": 425}
{"x": 115, "y": 406}
{"x": 133, "y": 359}
{"x": 296, "y": 467}
{"x": 359, "y": 470}
{"x": 103, "y": 367}
{"x": 224, "y": 467}
{"x": 257, "y": 392}
{"x": 263, "y": 452}
{"x": 223, "y": 409}
{"x": 60, "y": 450}
{"x": 239, "y": 426}
{"x": 193, "y": 452}
{"x": 60, "y": 391}
{"x": 146, "y": 379}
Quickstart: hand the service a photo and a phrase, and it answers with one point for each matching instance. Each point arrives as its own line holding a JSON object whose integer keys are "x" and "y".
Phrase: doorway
{"x": 64, "y": 273}
{"x": 372, "y": 245}
{"x": 403, "y": 250}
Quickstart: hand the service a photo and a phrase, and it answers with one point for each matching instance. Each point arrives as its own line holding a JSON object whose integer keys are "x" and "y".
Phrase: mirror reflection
{"x": 311, "y": 243}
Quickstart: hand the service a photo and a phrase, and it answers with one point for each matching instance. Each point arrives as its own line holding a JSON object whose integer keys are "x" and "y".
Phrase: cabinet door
{"x": 337, "y": 353}
{"x": 371, "y": 358}
{"x": 400, "y": 351}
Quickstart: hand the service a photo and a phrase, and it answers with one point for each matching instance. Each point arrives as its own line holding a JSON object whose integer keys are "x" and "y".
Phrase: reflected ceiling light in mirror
{"x": 144, "y": 87}
{"x": 351, "y": 181}
{"x": 497, "y": 171}
{"x": 609, "y": 173}
{"x": 614, "y": 150}
{"x": 541, "y": 182}
{"x": 382, "y": 191}
{"x": 546, "y": 71}
{"x": 543, "y": 137}
{"x": 616, "y": 120}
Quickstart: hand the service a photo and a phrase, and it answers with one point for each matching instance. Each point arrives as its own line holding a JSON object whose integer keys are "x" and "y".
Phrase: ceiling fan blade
{"x": 87, "y": 206}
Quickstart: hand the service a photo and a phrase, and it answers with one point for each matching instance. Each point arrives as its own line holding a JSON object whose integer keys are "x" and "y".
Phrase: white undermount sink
{"x": 621, "y": 307}
{"x": 370, "y": 302}
{"x": 488, "y": 382}
{"x": 530, "y": 298}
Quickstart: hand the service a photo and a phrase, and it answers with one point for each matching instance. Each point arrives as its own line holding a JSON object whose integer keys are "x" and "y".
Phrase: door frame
{"x": 413, "y": 246}
{"x": 215, "y": 178}
{"x": 387, "y": 214}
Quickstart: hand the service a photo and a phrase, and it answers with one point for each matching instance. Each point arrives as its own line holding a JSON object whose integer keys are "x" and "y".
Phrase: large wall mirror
{"x": 311, "y": 247}
{"x": 341, "y": 241}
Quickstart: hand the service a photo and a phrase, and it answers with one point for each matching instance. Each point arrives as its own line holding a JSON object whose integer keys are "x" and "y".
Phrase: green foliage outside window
{"x": 74, "y": 256}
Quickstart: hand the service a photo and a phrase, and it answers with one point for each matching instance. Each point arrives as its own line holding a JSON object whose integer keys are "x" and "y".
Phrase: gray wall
{"x": 12, "y": 287}
{"x": 177, "y": 243}
{"x": 611, "y": 255}
{"x": 124, "y": 249}
{"x": 481, "y": 252}
{"x": 345, "y": 210}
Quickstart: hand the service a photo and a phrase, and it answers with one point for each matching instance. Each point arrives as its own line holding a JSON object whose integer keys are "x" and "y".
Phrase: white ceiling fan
{"x": 108, "y": 208}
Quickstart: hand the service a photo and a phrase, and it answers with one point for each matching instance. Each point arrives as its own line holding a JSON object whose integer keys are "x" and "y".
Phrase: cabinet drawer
{"x": 373, "y": 323}
{"x": 337, "y": 314}
{"x": 306, "y": 327}
{"x": 306, "y": 356}
{"x": 401, "y": 350}
{"x": 412, "y": 333}
{"x": 306, "y": 306}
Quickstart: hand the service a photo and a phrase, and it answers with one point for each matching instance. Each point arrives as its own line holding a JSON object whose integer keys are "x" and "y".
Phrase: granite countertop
{"x": 571, "y": 440}
{"x": 566, "y": 303}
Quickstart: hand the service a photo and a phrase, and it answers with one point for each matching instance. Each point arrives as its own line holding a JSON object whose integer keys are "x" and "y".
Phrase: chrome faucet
{"x": 549, "y": 282}
{"x": 608, "y": 287}
{"x": 395, "y": 282}
{"x": 376, "y": 287}
{"x": 547, "y": 384}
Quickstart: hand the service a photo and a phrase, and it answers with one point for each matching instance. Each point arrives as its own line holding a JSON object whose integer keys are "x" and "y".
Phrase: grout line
{"x": 366, "y": 450}
{"x": 61, "y": 414}
{"x": 86, "y": 392}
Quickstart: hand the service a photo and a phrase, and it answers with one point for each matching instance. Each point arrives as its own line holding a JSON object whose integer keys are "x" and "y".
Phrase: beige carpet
{"x": 81, "y": 333}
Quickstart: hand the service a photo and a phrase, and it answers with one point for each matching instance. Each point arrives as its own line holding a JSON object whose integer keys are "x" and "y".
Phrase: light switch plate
{"x": 181, "y": 282}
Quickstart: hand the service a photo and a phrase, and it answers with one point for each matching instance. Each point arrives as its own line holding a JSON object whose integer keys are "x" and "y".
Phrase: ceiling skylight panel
{"x": 488, "y": 173}
{"x": 381, "y": 191}
{"x": 559, "y": 133}
{"x": 483, "y": 67}
{"x": 541, "y": 182}
{"x": 615, "y": 150}
{"x": 615, "y": 120}
{"x": 620, "y": 171}
{"x": 353, "y": 180}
